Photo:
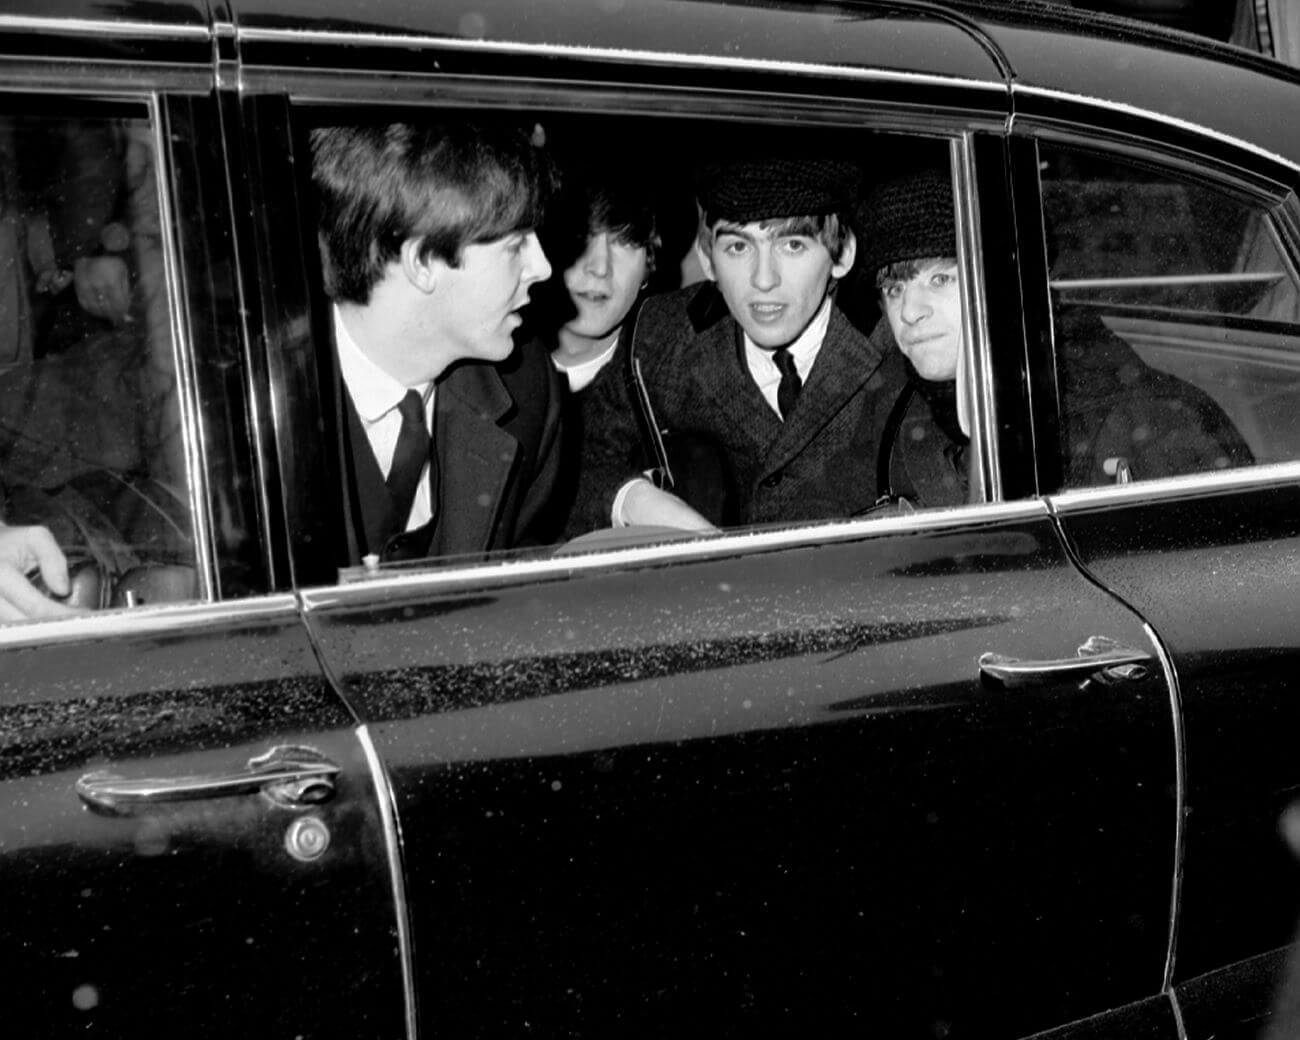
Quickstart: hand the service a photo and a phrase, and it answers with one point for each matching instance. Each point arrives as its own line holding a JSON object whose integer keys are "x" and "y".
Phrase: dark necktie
{"x": 788, "y": 392}
{"x": 409, "y": 457}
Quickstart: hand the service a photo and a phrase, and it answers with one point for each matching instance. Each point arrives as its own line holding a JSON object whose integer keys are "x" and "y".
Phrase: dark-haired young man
{"x": 759, "y": 361}
{"x": 429, "y": 251}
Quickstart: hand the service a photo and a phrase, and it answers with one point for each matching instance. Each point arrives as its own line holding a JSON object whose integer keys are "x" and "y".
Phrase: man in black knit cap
{"x": 1120, "y": 418}
{"x": 758, "y": 362}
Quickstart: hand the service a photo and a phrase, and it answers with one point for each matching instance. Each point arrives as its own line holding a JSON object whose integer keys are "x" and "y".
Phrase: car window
{"x": 1175, "y": 322}
{"x": 90, "y": 443}
{"x": 646, "y": 322}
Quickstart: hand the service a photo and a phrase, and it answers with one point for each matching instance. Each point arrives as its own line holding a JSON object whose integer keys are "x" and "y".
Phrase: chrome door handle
{"x": 1098, "y": 654}
{"x": 288, "y": 775}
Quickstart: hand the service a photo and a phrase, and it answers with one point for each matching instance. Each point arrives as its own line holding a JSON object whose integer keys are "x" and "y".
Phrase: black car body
{"x": 754, "y": 783}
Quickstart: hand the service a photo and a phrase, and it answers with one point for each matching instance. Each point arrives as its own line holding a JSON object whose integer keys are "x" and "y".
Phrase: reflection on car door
{"x": 764, "y": 787}
{"x": 245, "y": 891}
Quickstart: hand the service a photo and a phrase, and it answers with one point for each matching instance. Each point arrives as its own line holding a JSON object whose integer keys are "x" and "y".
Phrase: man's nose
{"x": 595, "y": 261}
{"x": 916, "y": 304}
{"x": 536, "y": 267}
{"x": 765, "y": 275}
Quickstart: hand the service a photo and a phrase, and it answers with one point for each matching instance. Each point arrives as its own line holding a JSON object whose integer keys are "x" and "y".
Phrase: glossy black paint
{"x": 766, "y": 792}
{"x": 170, "y": 921}
{"x": 1215, "y": 575}
{"x": 757, "y": 792}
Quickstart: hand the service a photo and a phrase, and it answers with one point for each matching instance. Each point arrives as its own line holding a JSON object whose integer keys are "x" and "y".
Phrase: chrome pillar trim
{"x": 626, "y": 56}
{"x": 182, "y": 353}
{"x": 99, "y": 27}
{"x": 397, "y": 877}
{"x": 1078, "y": 500}
{"x": 225, "y": 55}
{"x": 1180, "y": 804}
{"x": 164, "y": 619}
{"x": 1179, "y": 1025}
{"x": 1048, "y": 93}
{"x": 440, "y": 579}
{"x": 979, "y": 375}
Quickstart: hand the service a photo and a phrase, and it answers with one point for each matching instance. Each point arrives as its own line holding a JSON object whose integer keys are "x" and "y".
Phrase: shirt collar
{"x": 374, "y": 392}
{"x": 805, "y": 347}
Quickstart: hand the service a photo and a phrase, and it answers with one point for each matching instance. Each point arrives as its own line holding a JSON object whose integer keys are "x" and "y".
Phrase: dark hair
{"x": 830, "y": 229}
{"x": 590, "y": 201}
{"x": 906, "y": 270}
{"x": 449, "y": 185}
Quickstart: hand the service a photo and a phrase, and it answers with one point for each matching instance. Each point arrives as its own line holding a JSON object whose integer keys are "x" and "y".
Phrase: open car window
{"x": 702, "y": 407}
{"x": 1175, "y": 314}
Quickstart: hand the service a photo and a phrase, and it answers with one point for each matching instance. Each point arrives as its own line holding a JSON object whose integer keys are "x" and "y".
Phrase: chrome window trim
{"x": 55, "y": 26}
{"x": 1180, "y": 800}
{"x": 103, "y": 79}
{"x": 1020, "y": 90}
{"x": 164, "y": 619}
{"x": 975, "y": 320}
{"x": 1079, "y": 500}
{"x": 197, "y": 490}
{"x": 618, "y": 55}
{"x": 448, "y": 578}
{"x": 392, "y": 828}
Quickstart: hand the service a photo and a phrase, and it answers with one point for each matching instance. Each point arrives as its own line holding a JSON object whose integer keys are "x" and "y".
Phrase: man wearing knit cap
{"x": 1120, "y": 419}
{"x": 758, "y": 361}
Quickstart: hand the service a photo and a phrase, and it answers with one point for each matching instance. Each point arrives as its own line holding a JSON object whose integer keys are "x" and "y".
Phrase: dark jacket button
{"x": 772, "y": 479}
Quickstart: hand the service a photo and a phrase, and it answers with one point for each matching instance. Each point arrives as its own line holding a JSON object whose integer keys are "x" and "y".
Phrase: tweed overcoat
{"x": 818, "y": 464}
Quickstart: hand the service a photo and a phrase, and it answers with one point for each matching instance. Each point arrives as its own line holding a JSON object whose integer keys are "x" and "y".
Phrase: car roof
{"x": 1035, "y": 49}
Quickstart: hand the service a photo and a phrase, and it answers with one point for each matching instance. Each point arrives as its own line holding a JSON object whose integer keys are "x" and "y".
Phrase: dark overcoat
{"x": 496, "y": 445}
{"x": 818, "y": 464}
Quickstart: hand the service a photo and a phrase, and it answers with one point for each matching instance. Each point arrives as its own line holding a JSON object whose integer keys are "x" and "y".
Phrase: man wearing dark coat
{"x": 757, "y": 369}
{"x": 450, "y": 435}
{"x": 1121, "y": 419}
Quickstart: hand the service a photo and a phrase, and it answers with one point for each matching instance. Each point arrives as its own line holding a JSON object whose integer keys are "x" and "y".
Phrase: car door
{"x": 1193, "y": 268}
{"x": 763, "y": 782}
{"x": 193, "y": 830}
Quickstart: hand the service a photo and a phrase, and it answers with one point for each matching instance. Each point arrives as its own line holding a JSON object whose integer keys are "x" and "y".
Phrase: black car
{"x": 986, "y": 770}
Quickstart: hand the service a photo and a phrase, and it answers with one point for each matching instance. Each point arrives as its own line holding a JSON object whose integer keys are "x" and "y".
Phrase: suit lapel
{"x": 725, "y": 381}
{"x": 847, "y": 359}
{"x": 476, "y": 457}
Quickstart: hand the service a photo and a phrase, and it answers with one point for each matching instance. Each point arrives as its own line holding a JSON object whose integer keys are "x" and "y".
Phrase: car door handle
{"x": 289, "y": 775}
{"x": 1097, "y": 654}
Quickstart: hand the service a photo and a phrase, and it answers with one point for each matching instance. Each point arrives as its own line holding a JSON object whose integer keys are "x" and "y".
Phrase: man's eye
{"x": 892, "y": 291}
{"x": 941, "y": 279}
{"x": 795, "y": 246}
{"x": 734, "y": 246}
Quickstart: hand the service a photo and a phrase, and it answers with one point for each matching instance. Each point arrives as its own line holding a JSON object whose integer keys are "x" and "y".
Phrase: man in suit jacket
{"x": 759, "y": 361}
{"x": 450, "y": 435}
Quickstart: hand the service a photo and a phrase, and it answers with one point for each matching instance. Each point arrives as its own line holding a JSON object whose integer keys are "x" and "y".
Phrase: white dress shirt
{"x": 763, "y": 370}
{"x": 375, "y": 395}
{"x": 804, "y": 350}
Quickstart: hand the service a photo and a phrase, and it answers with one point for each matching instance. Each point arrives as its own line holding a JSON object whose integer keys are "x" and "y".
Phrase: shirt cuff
{"x": 616, "y": 511}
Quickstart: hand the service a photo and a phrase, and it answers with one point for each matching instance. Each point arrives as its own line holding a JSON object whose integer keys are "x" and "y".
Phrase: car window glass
{"x": 90, "y": 443}
{"x": 651, "y": 327}
{"x": 1174, "y": 314}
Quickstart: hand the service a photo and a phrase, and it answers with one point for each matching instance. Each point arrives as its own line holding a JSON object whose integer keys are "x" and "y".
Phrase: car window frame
{"x": 1235, "y": 168}
{"x": 91, "y": 91}
{"x": 832, "y": 113}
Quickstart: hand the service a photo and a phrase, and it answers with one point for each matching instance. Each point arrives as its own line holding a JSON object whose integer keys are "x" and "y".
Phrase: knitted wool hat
{"x": 908, "y": 217}
{"x": 743, "y": 191}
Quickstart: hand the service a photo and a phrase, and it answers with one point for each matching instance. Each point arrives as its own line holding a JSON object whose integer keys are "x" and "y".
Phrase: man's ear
{"x": 420, "y": 271}
{"x": 706, "y": 260}
{"x": 842, "y": 266}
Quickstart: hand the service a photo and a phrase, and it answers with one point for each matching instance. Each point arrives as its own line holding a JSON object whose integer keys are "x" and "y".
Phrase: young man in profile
{"x": 759, "y": 361}
{"x": 450, "y": 435}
